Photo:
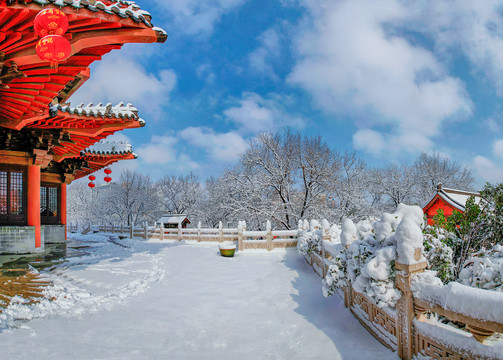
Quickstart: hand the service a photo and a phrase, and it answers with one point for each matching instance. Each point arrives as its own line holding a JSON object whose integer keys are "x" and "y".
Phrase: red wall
{"x": 432, "y": 210}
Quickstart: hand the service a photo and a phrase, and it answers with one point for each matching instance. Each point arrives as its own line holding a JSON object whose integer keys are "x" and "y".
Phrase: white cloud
{"x": 351, "y": 63}
{"x": 219, "y": 146}
{"x": 260, "y": 58}
{"x": 160, "y": 150}
{"x": 250, "y": 115}
{"x": 254, "y": 114}
{"x": 121, "y": 78}
{"x": 475, "y": 27}
{"x": 487, "y": 170}
{"x": 498, "y": 148}
{"x": 369, "y": 140}
{"x": 161, "y": 155}
{"x": 492, "y": 124}
{"x": 204, "y": 71}
{"x": 196, "y": 17}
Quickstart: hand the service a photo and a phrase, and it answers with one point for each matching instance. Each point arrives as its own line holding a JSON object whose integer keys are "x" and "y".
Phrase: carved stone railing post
{"x": 410, "y": 260}
{"x": 347, "y": 294}
{"x": 325, "y": 230}
{"x": 268, "y": 236}
{"x": 405, "y": 308}
{"x": 240, "y": 237}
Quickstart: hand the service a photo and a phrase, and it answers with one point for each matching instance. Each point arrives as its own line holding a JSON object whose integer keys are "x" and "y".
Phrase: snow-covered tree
{"x": 351, "y": 188}
{"x": 179, "y": 194}
{"x": 430, "y": 170}
{"x": 84, "y": 205}
{"x": 282, "y": 177}
{"x": 397, "y": 184}
{"x": 134, "y": 199}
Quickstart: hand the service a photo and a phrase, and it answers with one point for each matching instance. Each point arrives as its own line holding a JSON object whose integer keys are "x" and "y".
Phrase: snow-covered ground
{"x": 130, "y": 299}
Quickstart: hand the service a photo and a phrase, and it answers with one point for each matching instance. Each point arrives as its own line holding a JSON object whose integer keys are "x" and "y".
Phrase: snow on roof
{"x": 109, "y": 148}
{"x": 121, "y": 110}
{"x": 172, "y": 219}
{"x": 121, "y": 8}
{"x": 456, "y": 198}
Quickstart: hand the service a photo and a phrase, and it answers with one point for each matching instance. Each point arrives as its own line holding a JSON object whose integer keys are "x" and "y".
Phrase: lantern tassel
{"x": 54, "y": 64}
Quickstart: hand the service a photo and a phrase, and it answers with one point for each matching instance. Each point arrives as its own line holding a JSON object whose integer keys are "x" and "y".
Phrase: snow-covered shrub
{"x": 309, "y": 241}
{"x": 438, "y": 253}
{"x": 335, "y": 233}
{"x": 372, "y": 269}
{"x": 484, "y": 269}
{"x": 335, "y": 280}
{"x": 369, "y": 259}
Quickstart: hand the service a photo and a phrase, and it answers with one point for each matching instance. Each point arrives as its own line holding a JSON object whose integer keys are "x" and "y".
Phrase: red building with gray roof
{"x": 449, "y": 200}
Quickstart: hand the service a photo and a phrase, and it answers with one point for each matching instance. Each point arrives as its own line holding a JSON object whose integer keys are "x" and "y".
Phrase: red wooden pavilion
{"x": 45, "y": 143}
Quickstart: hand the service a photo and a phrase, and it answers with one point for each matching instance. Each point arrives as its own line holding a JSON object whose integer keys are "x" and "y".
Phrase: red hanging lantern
{"x": 92, "y": 177}
{"x": 107, "y": 179}
{"x": 54, "y": 49}
{"x": 108, "y": 171}
{"x": 91, "y": 185}
{"x": 50, "y": 22}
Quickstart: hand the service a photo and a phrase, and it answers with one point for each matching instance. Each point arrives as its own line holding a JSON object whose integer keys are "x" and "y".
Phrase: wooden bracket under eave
{"x": 41, "y": 158}
{"x": 68, "y": 178}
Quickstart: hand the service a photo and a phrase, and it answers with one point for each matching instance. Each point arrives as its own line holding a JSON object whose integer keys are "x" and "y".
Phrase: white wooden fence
{"x": 267, "y": 239}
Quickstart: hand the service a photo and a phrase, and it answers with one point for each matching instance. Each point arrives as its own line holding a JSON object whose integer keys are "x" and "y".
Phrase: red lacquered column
{"x": 63, "y": 206}
{"x": 34, "y": 202}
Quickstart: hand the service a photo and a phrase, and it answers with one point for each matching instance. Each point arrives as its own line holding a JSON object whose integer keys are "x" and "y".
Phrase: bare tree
{"x": 351, "y": 188}
{"x": 282, "y": 177}
{"x": 134, "y": 199}
{"x": 319, "y": 166}
{"x": 83, "y": 204}
{"x": 179, "y": 195}
{"x": 430, "y": 170}
{"x": 397, "y": 184}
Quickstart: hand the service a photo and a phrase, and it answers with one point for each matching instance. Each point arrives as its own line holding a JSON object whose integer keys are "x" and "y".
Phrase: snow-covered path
{"x": 153, "y": 301}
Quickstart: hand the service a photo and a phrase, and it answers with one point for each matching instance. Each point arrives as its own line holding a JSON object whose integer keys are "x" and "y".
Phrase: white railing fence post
{"x": 240, "y": 236}
{"x": 269, "y": 235}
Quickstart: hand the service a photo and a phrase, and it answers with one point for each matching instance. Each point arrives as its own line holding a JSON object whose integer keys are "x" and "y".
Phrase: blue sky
{"x": 386, "y": 78}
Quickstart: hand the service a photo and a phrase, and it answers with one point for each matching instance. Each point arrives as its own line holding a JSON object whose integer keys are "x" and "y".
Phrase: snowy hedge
{"x": 310, "y": 240}
{"x": 484, "y": 269}
{"x": 368, "y": 251}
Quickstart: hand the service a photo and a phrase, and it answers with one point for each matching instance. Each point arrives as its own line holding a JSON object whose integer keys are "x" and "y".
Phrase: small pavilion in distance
{"x": 45, "y": 143}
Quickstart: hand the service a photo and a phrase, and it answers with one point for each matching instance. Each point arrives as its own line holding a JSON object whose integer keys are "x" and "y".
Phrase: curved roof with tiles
{"x": 103, "y": 154}
{"x": 86, "y": 125}
{"x": 28, "y": 84}
{"x": 33, "y": 109}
